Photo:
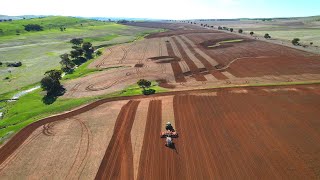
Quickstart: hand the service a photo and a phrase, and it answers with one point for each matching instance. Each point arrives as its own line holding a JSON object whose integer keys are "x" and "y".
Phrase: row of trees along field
{"x": 267, "y": 36}
{"x": 81, "y": 52}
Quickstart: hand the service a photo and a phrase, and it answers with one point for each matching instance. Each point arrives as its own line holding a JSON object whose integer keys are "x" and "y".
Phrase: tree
{"x": 99, "y": 53}
{"x": 311, "y": 43}
{"x": 220, "y": 28}
{"x": 67, "y": 64}
{"x": 251, "y": 33}
{"x": 267, "y": 36}
{"x": 51, "y": 83}
{"x": 142, "y": 83}
{"x": 295, "y": 41}
{"x": 76, "y": 53}
{"x": 145, "y": 84}
{"x": 240, "y": 30}
{"x": 33, "y": 27}
{"x": 231, "y": 29}
{"x": 88, "y": 49}
{"x": 54, "y": 74}
{"x": 76, "y": 41}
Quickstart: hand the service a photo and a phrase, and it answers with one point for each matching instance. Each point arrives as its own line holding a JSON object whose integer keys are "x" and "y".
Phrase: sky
{"x": 163, "y": 9}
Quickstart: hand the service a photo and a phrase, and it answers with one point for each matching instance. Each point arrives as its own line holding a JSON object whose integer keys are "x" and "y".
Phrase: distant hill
{"x": 48, "y": 23}
{"x": 309, "y": 18}
{"x": 4, "y": 17}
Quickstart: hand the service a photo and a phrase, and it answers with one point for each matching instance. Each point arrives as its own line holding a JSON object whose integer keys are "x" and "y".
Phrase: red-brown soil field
{"x": 183, "y": 59}
{"x": 227, "y": 133}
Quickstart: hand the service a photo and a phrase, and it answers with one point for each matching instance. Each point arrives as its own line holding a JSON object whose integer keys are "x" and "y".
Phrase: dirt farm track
{"x": 233, "y": 133}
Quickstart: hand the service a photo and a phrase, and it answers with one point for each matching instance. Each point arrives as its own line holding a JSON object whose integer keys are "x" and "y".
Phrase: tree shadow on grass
{"x": 50, "y": 98}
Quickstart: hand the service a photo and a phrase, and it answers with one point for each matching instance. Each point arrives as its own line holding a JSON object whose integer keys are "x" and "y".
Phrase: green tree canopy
{"x": 76, "y": 41}
{"x": 144, "y": 83}
{"x": 67, "y": 64}
{"x": 295, "y": 41}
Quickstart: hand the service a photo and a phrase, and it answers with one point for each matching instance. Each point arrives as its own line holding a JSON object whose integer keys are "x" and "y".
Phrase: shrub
{"x": 33, "y": 27}
{"x": 99, "y": 53}
{"x": 240, "y": 31}
{"x": 251, "y": 33}
{"x": 15, "y": 64}
{"x": 311, "y": 43}
{"x": 295, "y": 41}
{"x": 267, "y": 36}
{"x": 231, "y": 29}
{"x": 1, "y": 63}
{"x": 148, "y": 91}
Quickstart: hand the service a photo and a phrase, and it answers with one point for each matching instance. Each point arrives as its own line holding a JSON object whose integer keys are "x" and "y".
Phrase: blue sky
{"x": 164, "y": 9}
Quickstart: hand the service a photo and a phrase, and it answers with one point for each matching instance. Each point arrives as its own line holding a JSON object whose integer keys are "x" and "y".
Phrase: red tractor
{"x": 169, "y": 134}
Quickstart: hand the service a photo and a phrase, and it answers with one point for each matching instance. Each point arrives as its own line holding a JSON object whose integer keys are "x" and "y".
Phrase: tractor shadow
{"x": 173, "y": 147}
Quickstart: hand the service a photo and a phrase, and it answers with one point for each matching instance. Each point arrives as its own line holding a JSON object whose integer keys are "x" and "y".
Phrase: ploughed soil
{"x": 165, "y": 59}
{"x": 239, "y": 134}
{"x": 164, "y": 25}
{"x": 139, "y": 65}
{"x": 163, "y": 83}
{"x": 178, "y": 32}
{"x": 182, "y": 58}
{"x": 252, "y": 67}
{"x": 208, "y": 43}
{"x": 230, "y": 133}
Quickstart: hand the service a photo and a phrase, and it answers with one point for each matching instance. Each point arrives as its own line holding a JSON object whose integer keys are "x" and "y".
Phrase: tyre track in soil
{"x": 177, "y": 71}
{"x": 105, "y": 58}
{"x": 82, "y": 155}
{"x": 74, "y": 89}
{"x": 4, "y": 163}
{"x": 157, "y": 161}
{"x": 134, "y": 74}
{"x": 192, "y": 66}
{"x": 117, "y": 162}
{"x": 125, "y": 52}
{"x": 47, "y": 130}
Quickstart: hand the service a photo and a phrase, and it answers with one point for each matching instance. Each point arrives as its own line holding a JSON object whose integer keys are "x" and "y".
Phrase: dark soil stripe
{"x": 192, "y": 66}
{"x": 117, "y": 162}
{"x": 177, "y": 71}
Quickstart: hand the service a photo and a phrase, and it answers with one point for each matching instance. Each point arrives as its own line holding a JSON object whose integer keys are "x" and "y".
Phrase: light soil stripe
{"x": 175, "y": 48}
{"x": 209, "y": 77}
{"x": 167, "y": 112}
{"x": 196, "y": 61}
{"x": 137, "y": 133}
{"x": 229, "y": 75}
{"x": 184, "y": 66}
{"x": 164, "y": 51}
{"x": 208, "y": 58}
